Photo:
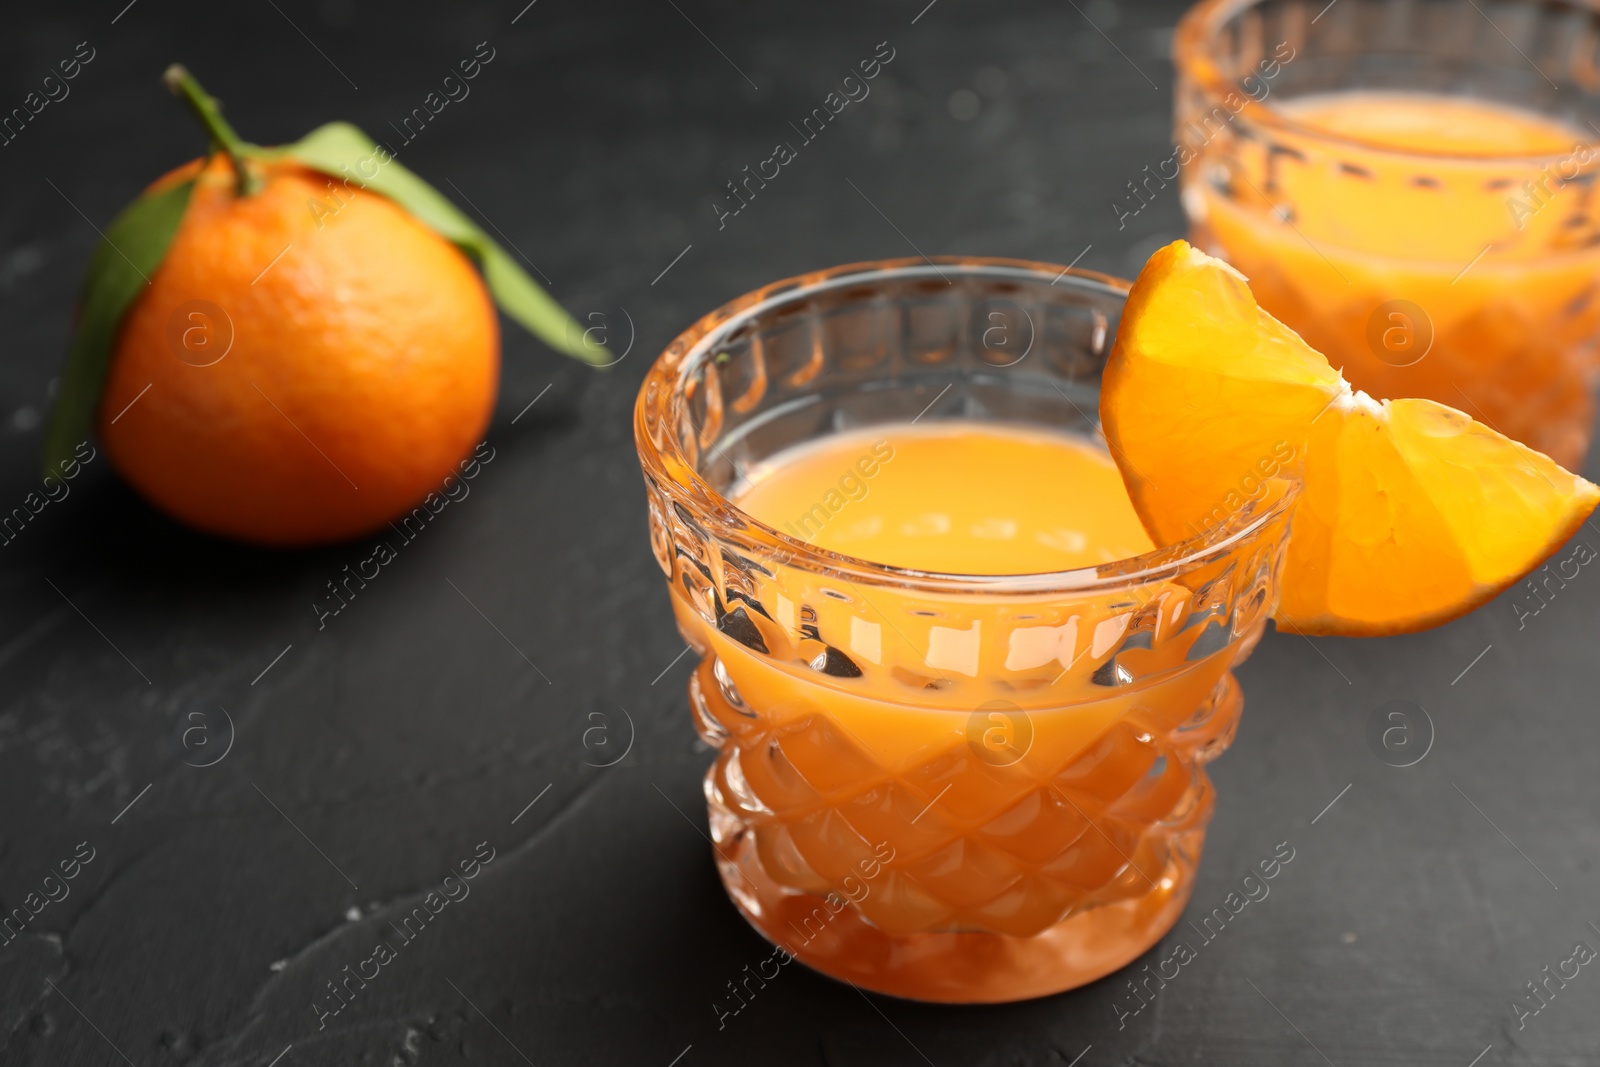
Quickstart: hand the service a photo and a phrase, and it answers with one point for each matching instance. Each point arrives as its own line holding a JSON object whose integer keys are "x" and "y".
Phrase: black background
{"x": 409, "y": 730}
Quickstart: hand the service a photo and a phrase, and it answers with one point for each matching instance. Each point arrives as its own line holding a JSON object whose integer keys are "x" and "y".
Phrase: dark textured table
{"x": 247, "y": 801}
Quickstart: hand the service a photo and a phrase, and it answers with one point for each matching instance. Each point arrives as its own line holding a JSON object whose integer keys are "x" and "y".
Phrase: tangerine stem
{"x": 209, "y": 112}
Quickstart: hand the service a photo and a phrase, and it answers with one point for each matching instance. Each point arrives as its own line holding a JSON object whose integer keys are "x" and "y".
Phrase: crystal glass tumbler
{"x": 1409, "y": 184}
{"x": 944, "y": 787}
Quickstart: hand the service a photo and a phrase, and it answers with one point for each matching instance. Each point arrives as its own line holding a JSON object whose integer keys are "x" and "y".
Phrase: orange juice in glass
{"x": 1411, "y": 188}
{"x": 961, "y": 705}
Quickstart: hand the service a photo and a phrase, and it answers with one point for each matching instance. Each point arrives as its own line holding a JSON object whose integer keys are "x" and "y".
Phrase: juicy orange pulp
{"x": 1411, "y": 514}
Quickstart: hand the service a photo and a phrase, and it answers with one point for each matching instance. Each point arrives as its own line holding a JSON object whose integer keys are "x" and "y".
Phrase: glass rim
{"x": 1192, "y": 57}
{"x": 671, "y": 468}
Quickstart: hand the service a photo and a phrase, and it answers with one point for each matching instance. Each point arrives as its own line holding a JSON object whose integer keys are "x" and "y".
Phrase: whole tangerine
{"x": 298, "y": 376}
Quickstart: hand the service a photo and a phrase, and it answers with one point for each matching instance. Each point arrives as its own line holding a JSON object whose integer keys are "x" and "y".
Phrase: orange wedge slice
{"x": 1411, "y": 513}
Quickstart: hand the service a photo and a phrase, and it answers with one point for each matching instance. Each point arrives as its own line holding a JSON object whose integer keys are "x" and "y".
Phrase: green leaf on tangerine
{"x": 132, "y": 248}
{"x": 342, "y": 150}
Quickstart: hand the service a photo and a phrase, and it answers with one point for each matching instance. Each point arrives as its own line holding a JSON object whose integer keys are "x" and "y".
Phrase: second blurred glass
{"x": 1410, "y": 186}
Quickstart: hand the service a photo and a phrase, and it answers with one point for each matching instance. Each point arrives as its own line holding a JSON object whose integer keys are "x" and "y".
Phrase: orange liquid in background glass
{"x": 1434, "y": 273}
{"x": 986, "y": 855}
